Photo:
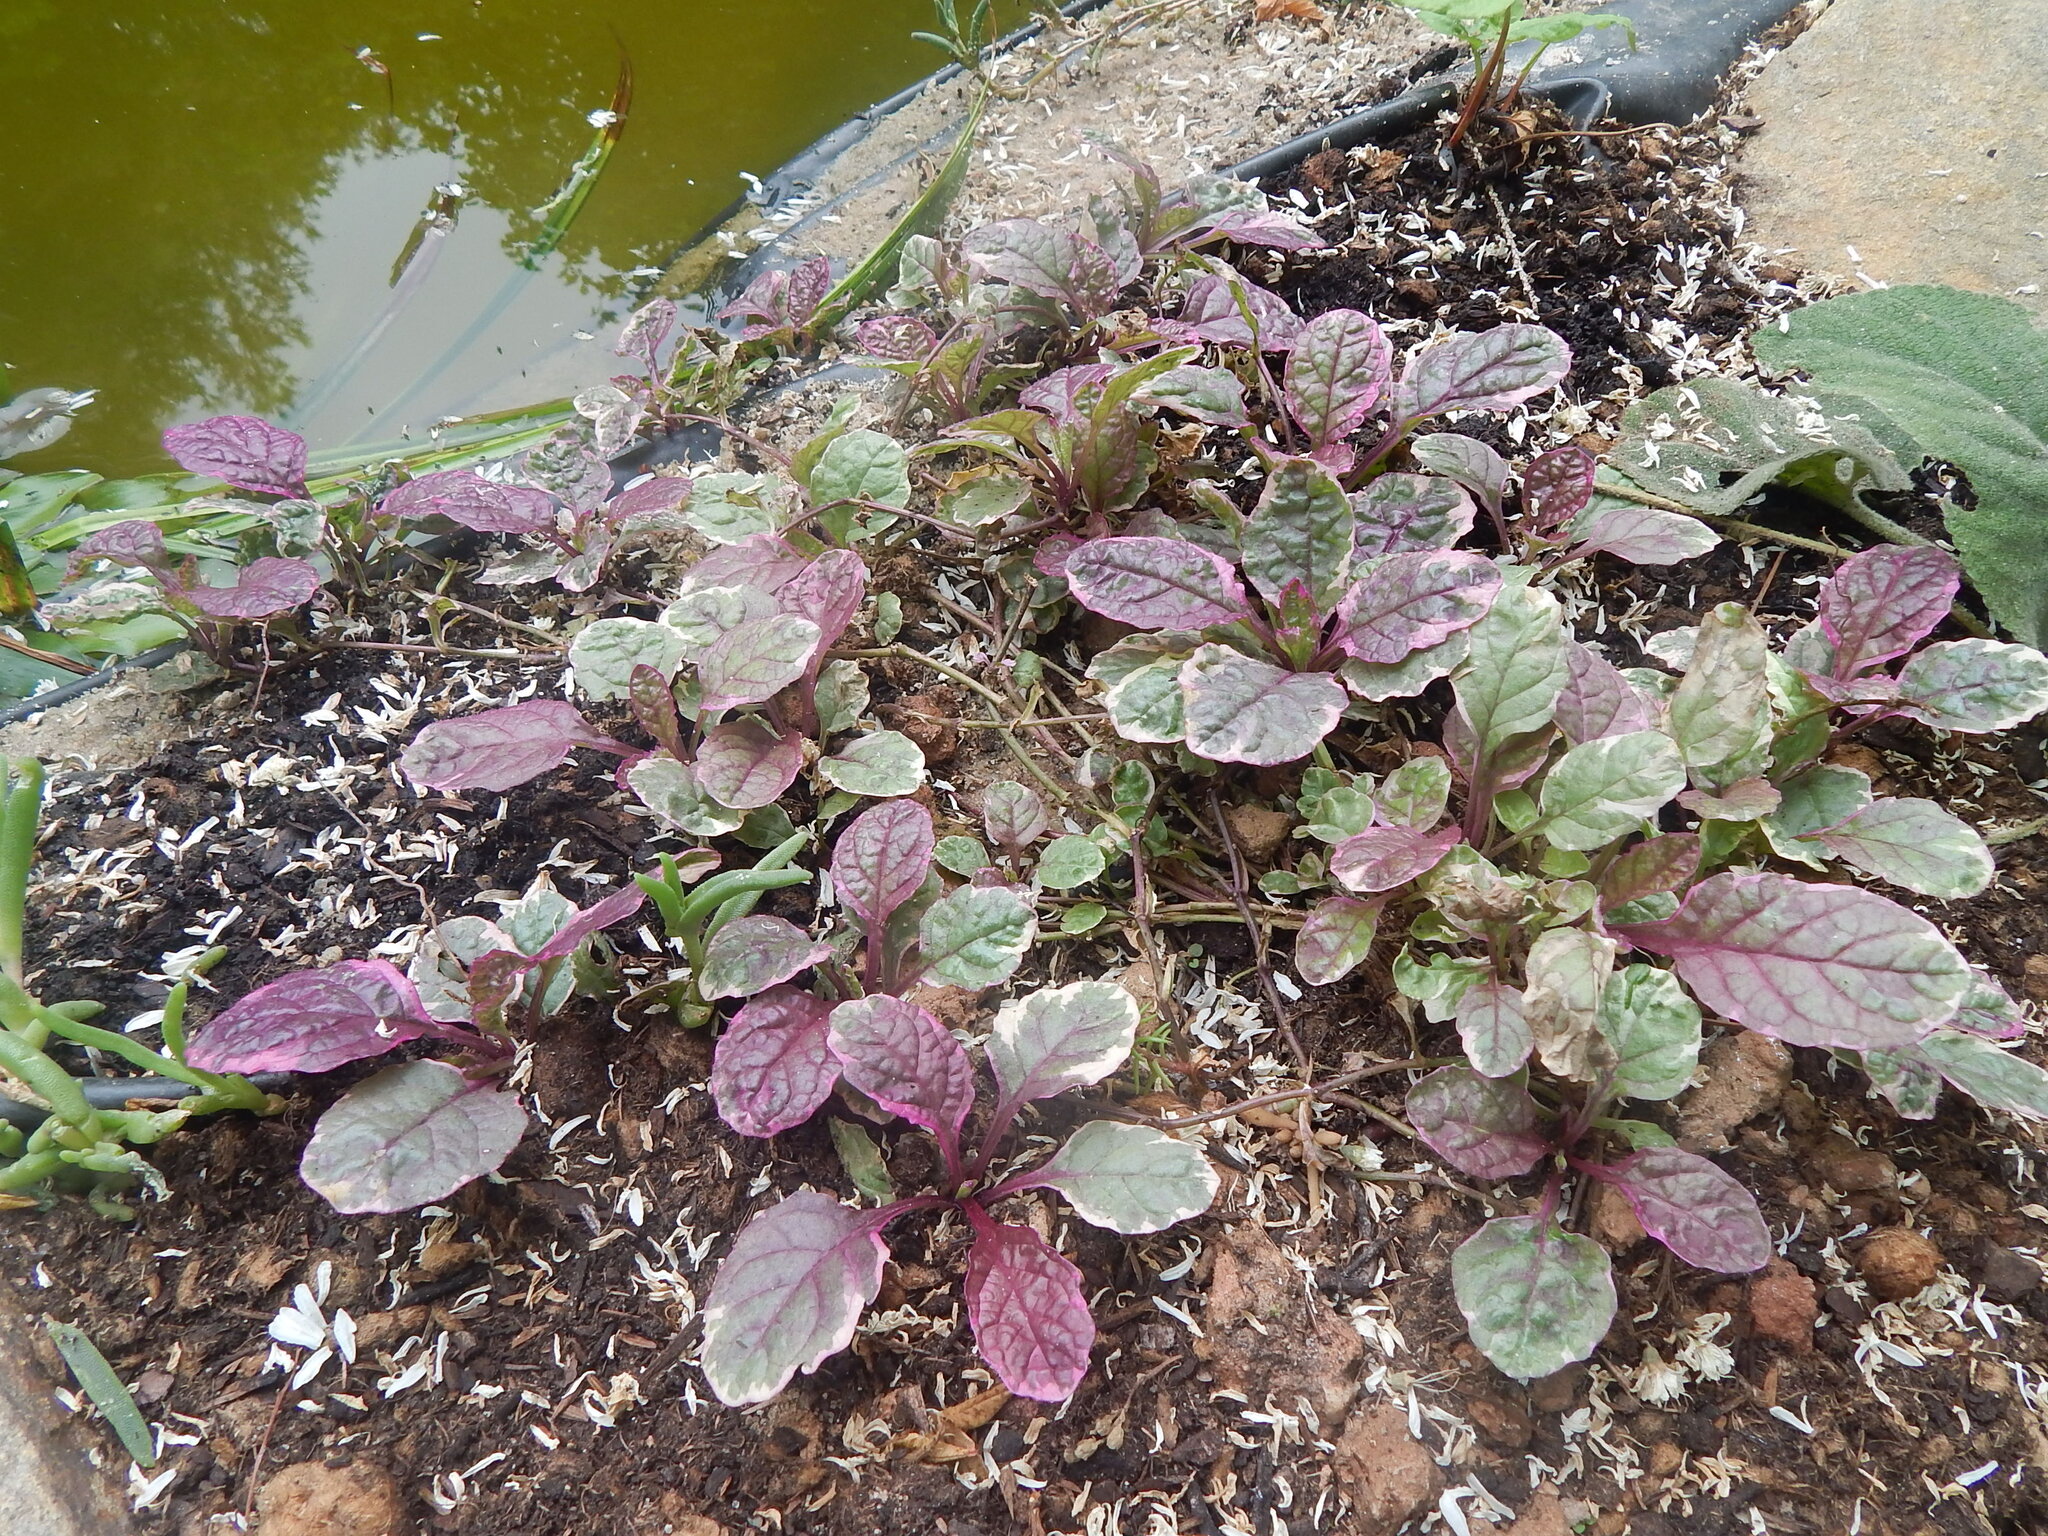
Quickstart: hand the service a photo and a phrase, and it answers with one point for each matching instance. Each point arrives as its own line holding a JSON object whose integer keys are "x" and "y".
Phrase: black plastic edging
{"x": 113, "y": 1092}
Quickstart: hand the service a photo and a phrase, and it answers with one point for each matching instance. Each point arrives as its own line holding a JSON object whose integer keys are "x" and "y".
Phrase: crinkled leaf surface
{"x": 905, "y": 1060}
{"x": 245, "y": 451}
{"x": 669, "y": 789}
{"x": 1013, "y": 815}
{"x": 467, "y": 499}
{"x": 880, "y": 764}
{"x": 1995, "y": 1078}
{"x": 750, "y": 663}
{"x": 1664, "y": 863}
{"x": 1299, "y": 534}
{"x": 1155, "y": 583}
{"x": 774, "y": 1066}
{"x": 1881, "y": 603}
{"x": 732, "y": 508}
{"x": 1069, "y": 861}
{"x": 1721, "y": 712}
{"x": 1809, "y": 963}
{"x": 1129, "y": 1178}
{"x": 862, "y": 466}
{"x": 1912, "y": 843}
{"x": 1601, "y": 789}
{"x": 1382, "y": 858}
{"x": 1820, "y": 796}
{"x": 1464, "y": 459}
{"x": 1409, "y": 602}
{"x": 1481, "y": 371}
{"x": 1597, "y": 700}
{"x": 408, "y": 1136}
{"x": 1485, "y": 1126}
{"x": 1695, "y": 1209}
{"x": 1654, "y": 1029}
{"x": 314, "y": 1021}
{"x": 747, "y": 763}
{"x": 1214, "y": 310}
{"x": 262, "y": 590}
{"x": 974, "y": 936}
{"x": 1409, "y": 676}
{"x": 706, "y": 615}
{"x": 604, "y": 654}
{"x": 499, "y": 749}
{"x": 1536, "y": 1298}
{"x": 789, "y": 1294}
{"x": 1557, "y": 485}
{"x": 751, "y": 954}
{"x": 1515, "y": 667}
{"x": 1336, "y": 374}
{"x": 882, "y": 858}
{"x": 1415, "y": 794}
{"x": 1061, "y": 1037}
{"x": 1029, "y": 1313}
{"x": 1492, "y": 1028}
{"x": 1395, "y": 513}
{"x": 1243, "y": 710}
{"x": 1334, "y": 940}
{"x": 1211, "y": 395}
{"x": 1974, "y": 685}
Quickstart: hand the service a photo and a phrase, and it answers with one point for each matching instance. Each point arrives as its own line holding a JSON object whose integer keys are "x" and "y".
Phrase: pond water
{"x": 207, "y": 203}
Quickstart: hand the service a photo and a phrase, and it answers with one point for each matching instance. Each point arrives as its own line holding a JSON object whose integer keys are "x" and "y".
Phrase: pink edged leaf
{"x": 1029, "y": 1313}
{"x": 263, "y": 589}
{"x": 1155, "y": 583}
{"x": 1485, "y": 1126}
{"x": 1061, "y": 1037}
{"x": 757, "y": 660}
{"x": 1243, "y": 710}
{"x": 764, "y": 561}
{"x": 245, "y": 451}
{"x": 1067, "y": 394}
{"x": 608, "y": 913}
{"x": 1995, "y": 1078}
{"x": 1466, "y": 460}
{"x": 774, "y": 1067}
{"x": 1335, "y": 938}
{"x": 1212, "y": 396}
{"x": 789, "y": 1294}
{"x": 828, "y": 592}
{"x": 1988, "y": 1010}
{"x": 136, "y": 542}
{"x": 1912, "y": 843}
{"x": 1410, "y": 601}
{"x": 1268, "y": 227}
{"x": 1211, "y": 312}
{"x": 646, "y": 331}
{"x": 896, "y": 338}
{"x": 315, "y": 1021}
{"x": 1382, "y": 858}
{"x": 1397, "y": 513}
{"x": 1537, "y": 1298}
{"x": 1338, "y": 370}
{"x": 500, "y": 749}
{"x": 1298, "y": 537}
{"x": 1013, "y": 815}
{"x": 1655, "y": 865}
{"x": 1642, "y": 535}
{"x": 882, "y": 858}
{"x": 1495, "y": 1033}
{"x": 1883, "y": 602}
{"x": 467, "y": 498}
{"x": 1973, "y": 685}
{"x": 746, "y": 764}
{"x": 905, "y": 1060}
{"x": 751, "y": 954}
{"x": 1557, "y": 485}
{"x": 1481, "y": 371}
{"x": 1810, "y": 963}
{"x": 644, "y": 503}
{"x": 1127, "y": 1178}
{"x": 1699, "y": 1212}
{"x": 808, "y": 285}
{"x": 1597, "y": 700}
{"x": 408, "y": 1136}
{"x": 494, "y": 980}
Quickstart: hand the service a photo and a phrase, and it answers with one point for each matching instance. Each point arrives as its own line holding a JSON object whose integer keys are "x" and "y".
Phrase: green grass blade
{"x": 107, "y": 1391}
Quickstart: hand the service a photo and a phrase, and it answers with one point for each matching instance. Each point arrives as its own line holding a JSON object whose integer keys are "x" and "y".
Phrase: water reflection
{"x": 203, "y": 202}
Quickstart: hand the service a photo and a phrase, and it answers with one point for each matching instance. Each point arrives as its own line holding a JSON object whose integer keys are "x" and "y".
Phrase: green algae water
{"x": 219, "y": 205}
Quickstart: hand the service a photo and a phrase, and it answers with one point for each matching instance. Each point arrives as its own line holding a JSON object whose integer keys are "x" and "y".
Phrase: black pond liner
{"x": 1685, "y": 47}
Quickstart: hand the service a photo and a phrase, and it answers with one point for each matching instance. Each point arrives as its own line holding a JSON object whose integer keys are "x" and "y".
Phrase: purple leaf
{"x": 654, "y": 705}
{"x": 746, "y": 764}
{"x": 1481, "y": 371}
{"x": 467, "y": 498}
{"x": 755, "y": 661}
{"x": 1049, "y": 263}
{"x": 245, "y": 451}
{"x": 905, "y": 1060}
{"x": 1642, "y": 535}
{"x": 1335, "y": 938}
{"x": 1597, "y": 700}
{"x": 1695, "y": 1209}
{"x": 1068, "y": 395}
{"x": 1396, "y": 513}
{"x": 774, "y": 1065}
{"x": 828, "y": 592}
{"x": 1155, "y": 583}
{"x": 1988, "y": 1010}
{"x": 1061, "y": 1037}
{"x": 1211, "y": 313}
{"x": 1974, "y": 685}
{"x": 263, "y": 589}
{"x": 1883, "y": 602}
{"x": 608, "y": 913}
{"x": 789, "y": 1294}
{"x": 1485, "y": 1126}
{"x": 1243, "y": 710}
{"x": 500, "y": 749}
{"x": 1209, "y": 395}
{"x": 1336, "y": 374}
{"x": 896, "y": 338}
{"x": 644, "y": 332}
{"x": 764, "y": 561}
{"x": 1263, "y": 226}
{"x": 882, "y": 858}
{"x": 1409, "y": 601}
{"x": 644, "y": 503}
{"x": 751, "y": 954}
{"x": 1665, "y": 863}
{"x": 1810, "y": 964}
{"x": 1013, "y": 815}
{"x": 1557, "y": 485}
{"x": 1493, "y": 1028}
{"x": 1028, "y": 1311}
{"x": 808, "y": 285}
{"x": 1382, "y": 858}
{"x": 410, "y": 1135}
{"x": 315, "y": 1021}
{"x": 494, "y": 980}
{"x": 1299, "y": 535}
{"x": 132, "y": 543}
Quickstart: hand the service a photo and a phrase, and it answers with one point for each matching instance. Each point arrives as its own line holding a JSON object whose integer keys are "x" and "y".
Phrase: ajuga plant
{"x": 1691, "y": 820}
{"x": 415, "y": 1132}
{"x": 791, "y": 1292}
{"x": 81, "y": 1147}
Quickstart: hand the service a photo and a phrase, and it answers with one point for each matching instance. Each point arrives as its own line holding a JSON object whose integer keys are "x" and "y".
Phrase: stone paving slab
{"x": 47, "y": 1486}
{"x": 1903, "y": 142}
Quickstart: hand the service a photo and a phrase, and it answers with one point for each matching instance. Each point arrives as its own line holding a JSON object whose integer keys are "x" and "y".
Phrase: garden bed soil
{"x": 1291, "y": 1362}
